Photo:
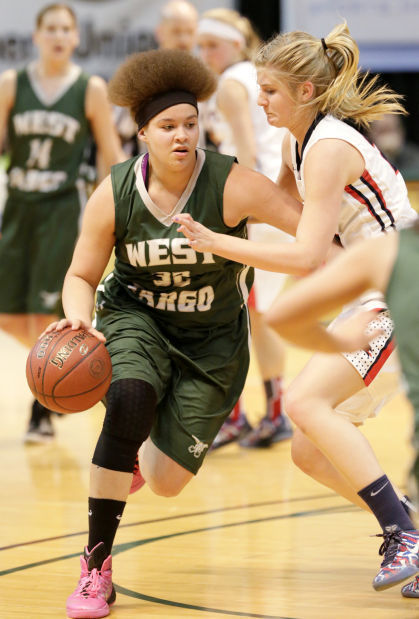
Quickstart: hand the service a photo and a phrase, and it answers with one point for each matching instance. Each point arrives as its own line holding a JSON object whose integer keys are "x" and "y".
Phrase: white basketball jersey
{"x": 268, "y": 138}
{"x": 377, "y": 201}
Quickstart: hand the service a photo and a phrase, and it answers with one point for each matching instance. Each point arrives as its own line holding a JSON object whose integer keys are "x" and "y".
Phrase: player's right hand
{"x": 75, "y": 324}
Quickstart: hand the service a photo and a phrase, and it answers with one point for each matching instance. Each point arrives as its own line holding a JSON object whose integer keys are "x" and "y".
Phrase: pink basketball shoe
{"x": 138, "y": 480}
{"x": 94, "y": 592}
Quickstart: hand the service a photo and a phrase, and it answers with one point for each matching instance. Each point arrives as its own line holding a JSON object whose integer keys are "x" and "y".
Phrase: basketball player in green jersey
{"x": 175, "y": 321}
{"x": 47, "y": 112}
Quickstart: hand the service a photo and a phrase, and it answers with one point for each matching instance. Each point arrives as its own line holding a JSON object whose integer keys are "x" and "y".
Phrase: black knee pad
{"x": 130, "y": 413}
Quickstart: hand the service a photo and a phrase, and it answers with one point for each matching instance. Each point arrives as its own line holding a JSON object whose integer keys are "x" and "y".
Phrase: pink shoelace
{"x": 89, "y": 584}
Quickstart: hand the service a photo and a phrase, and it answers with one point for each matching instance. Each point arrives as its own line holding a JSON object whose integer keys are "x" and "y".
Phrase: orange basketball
{"x": 69, "y": 371}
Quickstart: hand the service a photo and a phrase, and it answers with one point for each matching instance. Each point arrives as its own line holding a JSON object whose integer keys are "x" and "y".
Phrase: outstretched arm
{"x": 296, "y": 313}
{"x": 329, "y": 166}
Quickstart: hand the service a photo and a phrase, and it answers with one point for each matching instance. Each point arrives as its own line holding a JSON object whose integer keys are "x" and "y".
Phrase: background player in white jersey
{"x": 237, "y": 126}
{"x": 313, "y": 88}
{"x": 47, "y": 111}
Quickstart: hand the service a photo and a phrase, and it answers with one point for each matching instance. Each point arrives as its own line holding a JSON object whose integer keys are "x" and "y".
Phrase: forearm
{"x": 313, "y": 337}
{"x": 78, "y": 299}
{"x": 290, "y": 258}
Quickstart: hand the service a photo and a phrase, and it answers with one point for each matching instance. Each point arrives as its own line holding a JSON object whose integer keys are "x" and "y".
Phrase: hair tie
{"x": 324, "y": 44}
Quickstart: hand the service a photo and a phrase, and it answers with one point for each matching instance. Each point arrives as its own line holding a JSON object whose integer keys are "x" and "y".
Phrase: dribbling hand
{"x": 75, "y": 324}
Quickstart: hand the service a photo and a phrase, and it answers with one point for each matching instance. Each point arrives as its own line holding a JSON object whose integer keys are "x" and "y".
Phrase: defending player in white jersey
{"x": 238, "y": 126}
{"x": 313, "y": 87}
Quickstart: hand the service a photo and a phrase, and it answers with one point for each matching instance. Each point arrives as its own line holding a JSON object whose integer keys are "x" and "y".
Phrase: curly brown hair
{"x": 147, "y": 74}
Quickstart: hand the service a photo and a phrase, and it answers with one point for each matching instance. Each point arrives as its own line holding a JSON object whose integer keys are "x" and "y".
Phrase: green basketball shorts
{"x": 36, "y": 247}
{"x": 198, "y": 376}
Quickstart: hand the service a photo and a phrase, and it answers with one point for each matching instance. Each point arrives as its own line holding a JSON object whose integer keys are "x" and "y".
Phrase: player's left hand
{"x": 199, "y": 237}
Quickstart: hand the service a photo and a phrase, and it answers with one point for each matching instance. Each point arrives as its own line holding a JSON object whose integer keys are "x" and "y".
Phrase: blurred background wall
{"x": 386, "y": 31}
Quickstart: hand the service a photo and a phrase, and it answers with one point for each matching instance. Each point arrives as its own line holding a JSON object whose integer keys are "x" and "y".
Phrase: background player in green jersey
{"x": 175, "y": 322}
{"x": 388, "y": 264}
{"x": 48, "y": 111}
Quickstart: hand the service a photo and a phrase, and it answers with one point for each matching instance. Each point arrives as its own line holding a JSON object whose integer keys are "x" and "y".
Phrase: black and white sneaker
{"x": 40, "y": 428}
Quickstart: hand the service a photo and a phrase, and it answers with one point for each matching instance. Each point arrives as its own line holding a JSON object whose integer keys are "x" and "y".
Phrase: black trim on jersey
{"x": 395, "y": 168}
{"x": 369, "y": 206}
{"x": 380, "y": 200}
{"x": 298, "y": 158}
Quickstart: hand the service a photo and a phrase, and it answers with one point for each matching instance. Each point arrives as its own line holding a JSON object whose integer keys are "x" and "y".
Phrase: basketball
{"x": 69, "y": 371}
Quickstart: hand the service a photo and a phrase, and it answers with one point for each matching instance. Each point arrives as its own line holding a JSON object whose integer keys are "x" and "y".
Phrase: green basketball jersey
{"x": 402, "y": 296}
{"x": 155, "y": 268}
{"x": 46, "y": 142}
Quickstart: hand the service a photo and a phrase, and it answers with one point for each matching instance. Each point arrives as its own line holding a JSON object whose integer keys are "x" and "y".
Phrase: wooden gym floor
{"x": 251, "y": 536}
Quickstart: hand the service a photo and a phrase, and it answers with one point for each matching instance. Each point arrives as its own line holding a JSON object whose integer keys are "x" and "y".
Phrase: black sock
{"x": 104, "y": 519}
{"x": 39, "y": 412}
{"x": 385, "y": 504}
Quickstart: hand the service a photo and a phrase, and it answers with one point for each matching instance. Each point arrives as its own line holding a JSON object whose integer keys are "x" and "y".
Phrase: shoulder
{"x": 245, "y": 185}
{"x": 8, "y": 77}
{"x": 335, "y": 129}
{"x": 96, "y": 83}
{"x": 96, "y": 91}
{"x": 241, "y": 71}
{"x": 231, "y": 91}
{"x": 218, "y": 161}
{"x": 124, "y": 177}
{"x": 334, "y": 144}
{"x": 247, "y": 193}
{"x": 8, "y": 82}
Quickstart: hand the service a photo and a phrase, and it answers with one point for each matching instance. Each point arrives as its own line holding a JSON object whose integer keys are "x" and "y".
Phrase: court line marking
{"x": 119, "y": 548}
{"x": 177, "y": 517}
{"x": 207, "y": 609}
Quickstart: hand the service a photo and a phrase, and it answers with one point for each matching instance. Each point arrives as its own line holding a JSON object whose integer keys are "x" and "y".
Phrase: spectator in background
{"x": 237, "y": 125}
{"x": 389, "y": 135}
{"x": 177, "y": 26}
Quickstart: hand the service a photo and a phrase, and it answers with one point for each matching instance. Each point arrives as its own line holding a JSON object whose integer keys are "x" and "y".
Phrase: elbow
{"x": 308, "y": 264}
{"x": 278, "y": 322}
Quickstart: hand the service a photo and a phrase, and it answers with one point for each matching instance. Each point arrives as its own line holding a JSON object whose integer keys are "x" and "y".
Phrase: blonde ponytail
{"x": 331, "y": 64}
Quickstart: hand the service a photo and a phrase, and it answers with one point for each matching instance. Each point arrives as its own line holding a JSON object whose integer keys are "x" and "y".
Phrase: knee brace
{"x": 130, "y": 413}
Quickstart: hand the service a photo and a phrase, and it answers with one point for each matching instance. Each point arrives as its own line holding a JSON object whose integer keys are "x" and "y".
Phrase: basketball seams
{"x": 58, "y": 339}
{"x": 55, "y": 398}
{"x": 33, "y": 387}
{"x": 37, "y": 364}
{"x": 64, "y": 397}
{"x": 74, "y": 366}
{"x": 33, "y": 375}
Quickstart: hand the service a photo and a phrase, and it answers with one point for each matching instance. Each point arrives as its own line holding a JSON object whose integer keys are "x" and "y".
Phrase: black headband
{"x": 324, "y": 44}
{"x": 160, "y": 102}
